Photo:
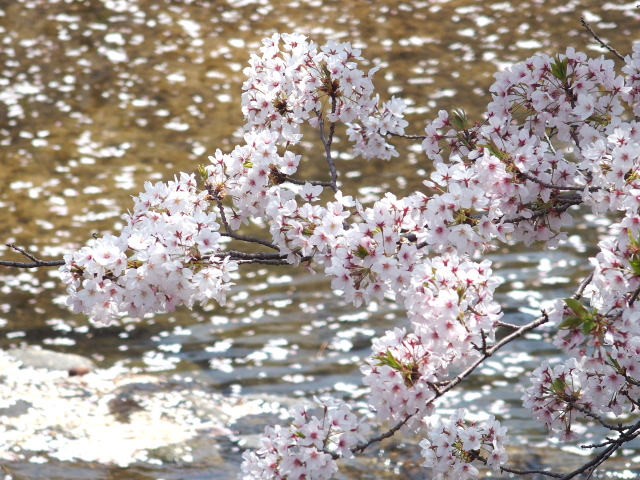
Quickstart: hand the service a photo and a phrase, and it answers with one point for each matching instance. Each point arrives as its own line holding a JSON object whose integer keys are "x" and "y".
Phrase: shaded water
{"x": 98, "y": 96}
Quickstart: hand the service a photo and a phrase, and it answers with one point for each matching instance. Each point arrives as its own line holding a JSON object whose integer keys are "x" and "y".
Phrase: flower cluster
{"x": 308, "y": 448}
{"x": 605, "y": 338}
{"x": 556, "y": 134}
{"x": 450, "y": 304}
{"x": 452, "y": 446}
{"x": 290, "y": 86}
{"x": 512, "y": 160}
{"x": 561, "y": 394}
{"x": 164, "y": 257}
{"x": 248, "y": 174}
{"x": 632, "y": 69}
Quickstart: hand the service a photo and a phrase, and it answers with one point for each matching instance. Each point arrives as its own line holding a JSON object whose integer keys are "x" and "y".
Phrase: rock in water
{"x": 38, "y": 358}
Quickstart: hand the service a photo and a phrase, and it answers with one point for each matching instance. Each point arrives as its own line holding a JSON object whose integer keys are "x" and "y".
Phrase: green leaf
{"x": 559, "y": 68}
{"x": 361, "y": 252}
{"x": 614, "y": 363}
{"x": 576, "y": 307}
{"x": 389, "y": 360}
{"x": 558, "y": 385}
{"x": 587, "y": 326}
{"x": 634, "y": 261}
{"x": 202, "y": 170}
{"x": 460, "y": 119}
{"x": 494, "y": 150}
{"x": 571, "y": 321}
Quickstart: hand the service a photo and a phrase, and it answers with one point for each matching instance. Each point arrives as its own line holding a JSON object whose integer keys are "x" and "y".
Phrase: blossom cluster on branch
{"x": 559, "y": 132}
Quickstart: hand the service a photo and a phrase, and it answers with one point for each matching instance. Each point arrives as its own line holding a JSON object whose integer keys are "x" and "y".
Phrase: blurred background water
{"x": 99, "y": 96}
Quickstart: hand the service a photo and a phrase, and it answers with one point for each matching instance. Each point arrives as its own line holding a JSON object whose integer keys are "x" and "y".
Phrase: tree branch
{"x": 598, "y": 418}
{"x": 243, "y": 238}
{"x": 578, "y": 293}
{"x": 363, "y": 446}
{"x": 36, "y": 262}
{"x": 631, "y": 433}
{"x": 599, "y": 40}
{"x": 283, "y": 177}
{"x": 486, "y": 353}
{"x": 565, "y": 204}
{"x": 410, "y": 137}
{"x": 551, "y": 186}
{"x": 530, "y": 472}
{"x": 327, "y": 149}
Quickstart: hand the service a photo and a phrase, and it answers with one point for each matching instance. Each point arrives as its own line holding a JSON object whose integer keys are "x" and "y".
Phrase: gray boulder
{"x": 40, "y": 358}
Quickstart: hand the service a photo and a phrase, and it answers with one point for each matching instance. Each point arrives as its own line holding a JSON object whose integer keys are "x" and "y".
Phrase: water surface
{"x": 99, "y": 96}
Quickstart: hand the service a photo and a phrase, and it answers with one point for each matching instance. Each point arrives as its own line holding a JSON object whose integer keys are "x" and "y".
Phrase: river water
{"x": 99, "y": 96}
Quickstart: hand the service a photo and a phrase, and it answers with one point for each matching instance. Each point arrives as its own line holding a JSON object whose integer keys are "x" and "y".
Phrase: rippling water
{"x": 98, "y": 96}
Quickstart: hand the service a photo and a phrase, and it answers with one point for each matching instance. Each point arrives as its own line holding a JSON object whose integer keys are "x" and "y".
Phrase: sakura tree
{"x": 560, "y": 132}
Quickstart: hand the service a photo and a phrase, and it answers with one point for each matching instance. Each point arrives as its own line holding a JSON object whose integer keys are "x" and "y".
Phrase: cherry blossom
{"x": 557, "y": 133}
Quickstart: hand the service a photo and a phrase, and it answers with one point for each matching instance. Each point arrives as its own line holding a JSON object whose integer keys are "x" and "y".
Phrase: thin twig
{"x": 410, "y": 137}
{"x": 327, "y": 150}
{"x": 609, "y": 441}
{"x": 631, "y": 433}
{"x": 578, "y": 293}
{"x": 541, "y": 213}
{"x": 363, "y": 446}
{"x": 487, "y": 352}
{"x": 598, "y": 418}
{"x": 283, "y": 177}
{"x": 22, "y": 251}
{"x": 507, "y": 325}
{"x": 243, "y": 238}
{"x": 249, "y": 256}
{"x": 551, "y": 186}
{"x": 36, "y": 261}
{"x": 634, "y": 296}
{"x": 599, "y": 40}
{"x": 549, "y": 143}
{"x": 39, "y": 263}
{"x": 529, "y": 472}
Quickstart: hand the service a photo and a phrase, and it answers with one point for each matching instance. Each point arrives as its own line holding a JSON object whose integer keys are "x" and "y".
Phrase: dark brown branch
{"x": 327, "y": 150}
{"x": 633, "y": 298}
{"x": 551, "y": 186}
{"x": 410, "y": 137}
{"x": 263, "y": 261}
{"x": 530, "y": 472}
{"x": 243, "y": 238}
{"x": 599, "y": 40}
{"x": 444, "y": 387}
{"x": 233, "y": 254}
{"x": 541, "y": 213}
{"x": 283, "y": 177}
{"x": 598, "y": 418}
{"x": 608, "y": 441}
{"x": 36, "y": 262}
{"x": 363, "y": 446}
{"x": 631, "y": 433}
{"x": 507, "y": 325}
{"x": 39, "y": 263}
{"x": 578, "y": 293}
